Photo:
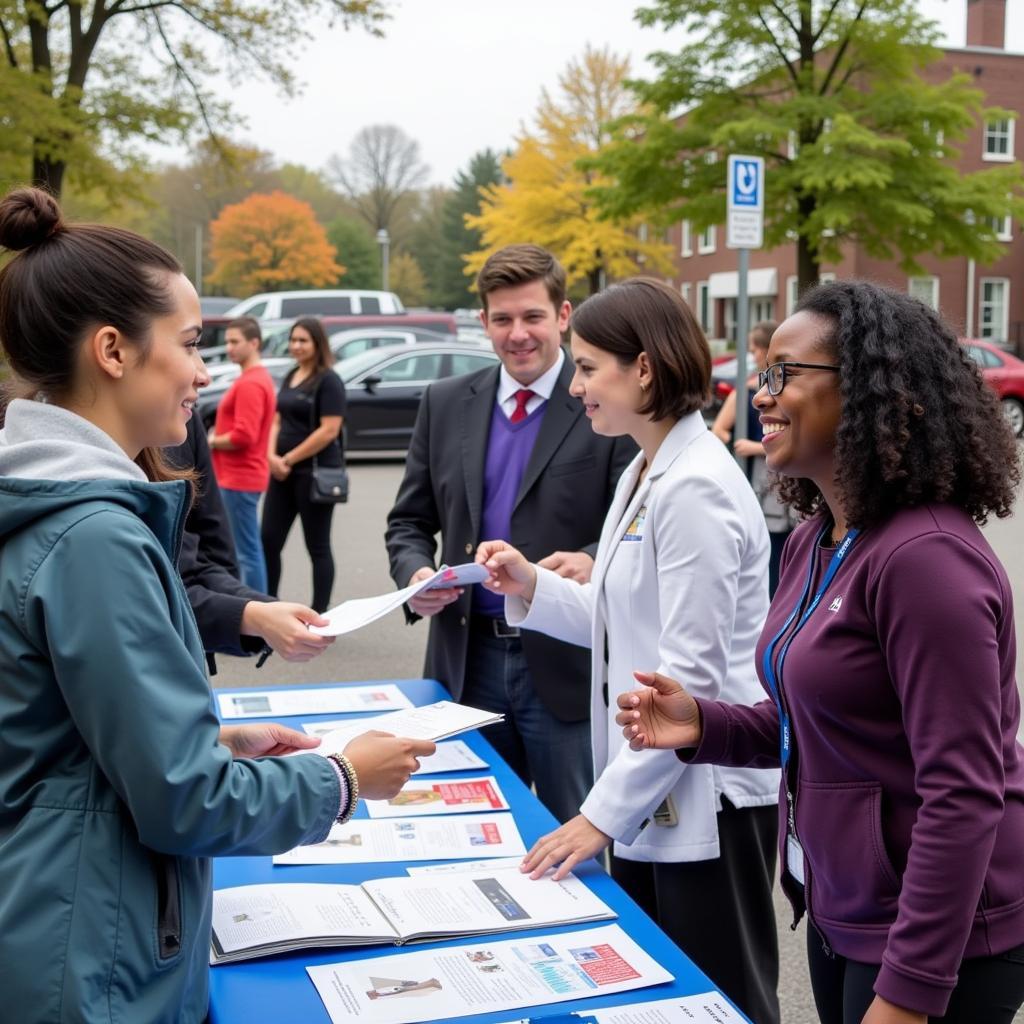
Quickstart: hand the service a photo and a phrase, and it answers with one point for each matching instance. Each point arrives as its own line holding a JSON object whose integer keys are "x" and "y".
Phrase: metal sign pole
{"x": 742, "y": 330}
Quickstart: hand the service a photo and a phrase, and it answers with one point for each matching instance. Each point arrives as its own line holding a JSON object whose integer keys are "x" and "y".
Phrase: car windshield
{"x": 350, "y": 368}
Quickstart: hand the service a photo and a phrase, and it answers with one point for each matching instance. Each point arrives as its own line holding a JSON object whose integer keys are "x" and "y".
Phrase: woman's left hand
{"x": 576, "y": 841}
{"x": 881, "y": 1011}
{"x": 267, "y": 739}
{"x": 279, "y": 469}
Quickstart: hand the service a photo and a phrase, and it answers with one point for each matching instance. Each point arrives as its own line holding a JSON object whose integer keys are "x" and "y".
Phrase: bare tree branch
{"x": 12, "y": 58}
{"x": 842, "y": 48}
{"x": 777, "y": 46}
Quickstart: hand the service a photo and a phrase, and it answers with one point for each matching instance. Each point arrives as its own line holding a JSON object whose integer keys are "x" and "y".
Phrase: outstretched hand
{"x": 265, "y": 739}
{"x": 511, "y": 572}
{"x": 660, "y": 715}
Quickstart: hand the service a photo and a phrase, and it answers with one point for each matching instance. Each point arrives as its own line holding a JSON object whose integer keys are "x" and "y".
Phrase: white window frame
{"x": 916, "y": 286}
{"x": 826, "y": 276}
{"x": 792, "y": 145}
{"x": 1003, "y": 227}
{"x": 991, "y": 133}
{"x": 760, "y": 315}
{"x": 685, "y": 290}
{"x": 705, "y": 308}
{"x": 986, "y": 330}
{"x": 707, "y": 240}
{"x": 792, "y": 284}
{"x": 685, "y": 241}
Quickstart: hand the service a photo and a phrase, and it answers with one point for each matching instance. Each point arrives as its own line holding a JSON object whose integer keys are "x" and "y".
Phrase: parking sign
{"x": 745, "y": 220}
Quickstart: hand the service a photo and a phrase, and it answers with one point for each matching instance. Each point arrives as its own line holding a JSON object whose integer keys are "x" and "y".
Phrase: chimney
{"x": 986, "y": 23}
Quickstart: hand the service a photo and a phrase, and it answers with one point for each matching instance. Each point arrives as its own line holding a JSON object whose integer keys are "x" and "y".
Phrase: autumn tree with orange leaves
{"x": 268, "y": 243}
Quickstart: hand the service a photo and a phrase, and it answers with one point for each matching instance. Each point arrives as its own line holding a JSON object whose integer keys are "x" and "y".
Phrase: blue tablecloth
{"x": 277, "y": 990}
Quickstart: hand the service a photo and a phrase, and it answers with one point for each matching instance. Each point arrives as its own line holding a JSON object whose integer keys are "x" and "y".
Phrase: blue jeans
{"x": 245, "y": 527}
{"x": 541, "y": 749}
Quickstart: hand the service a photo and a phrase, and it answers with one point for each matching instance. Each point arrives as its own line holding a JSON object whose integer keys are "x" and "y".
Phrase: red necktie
{"x": 522, "y": 396}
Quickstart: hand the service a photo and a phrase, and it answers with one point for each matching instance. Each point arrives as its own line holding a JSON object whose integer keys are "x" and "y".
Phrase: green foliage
{"x": 858, "y": 146}
{"x": 357, "y": 251}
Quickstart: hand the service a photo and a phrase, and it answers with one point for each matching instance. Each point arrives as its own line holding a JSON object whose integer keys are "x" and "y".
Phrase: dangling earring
{"x": 644, "y": 385}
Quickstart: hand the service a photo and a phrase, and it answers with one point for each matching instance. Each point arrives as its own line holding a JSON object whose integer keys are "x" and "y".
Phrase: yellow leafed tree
{"x": 271, "y": 242}
{"x": 546, "y": 200}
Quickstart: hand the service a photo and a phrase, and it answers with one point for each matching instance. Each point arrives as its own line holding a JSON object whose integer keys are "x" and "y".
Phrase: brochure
{"x": 438, "y": 721}
{"x": 705, "y": 1008}
{"x": 317, "y": 700}
{"x": 258, "y": 920}
{"x": 485, "y": 977}
{"x": 463, "y": 866}
{"x": 411, "y": 839}
{"x": 352, "y": 615}
{"x": 453, "y": 756}
{"x": 426, "y": 797}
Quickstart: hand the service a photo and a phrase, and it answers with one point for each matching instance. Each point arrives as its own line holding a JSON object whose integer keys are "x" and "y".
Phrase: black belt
{"x": 494, "y": 627}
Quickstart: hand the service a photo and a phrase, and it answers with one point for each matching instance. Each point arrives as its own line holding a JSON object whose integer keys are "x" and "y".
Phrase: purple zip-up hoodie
{"x": 907, "y": 774}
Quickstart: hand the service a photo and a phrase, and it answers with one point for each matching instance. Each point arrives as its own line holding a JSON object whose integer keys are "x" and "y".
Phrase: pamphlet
{"x": 453, "y": 756}
{"x": 460, "y": 796}
{"x": 352, "y": 615}
{"x": 705, "y": 1008}
{"x": 413, "y": 839}
{"x": 438, "y": 721}
{"x": 317, "y": 700}
{"x": 463, "y": 866}
{"x": 485, "y": 977}
{"x": 258, "y": 920}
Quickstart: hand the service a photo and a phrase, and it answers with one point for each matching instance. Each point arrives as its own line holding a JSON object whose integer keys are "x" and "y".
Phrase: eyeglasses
{"x": 775, "y": 375}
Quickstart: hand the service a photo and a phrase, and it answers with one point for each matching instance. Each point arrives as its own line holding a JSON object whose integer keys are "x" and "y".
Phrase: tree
{"x": 357, "y": 250}
{"x": 547, "y": 196}
{"x": 450, "y": 287}
{"x": 381, "y": 172}
{"x": 271, "y": 242}
{"x": 119, "y": 71}
{"x": 857, "y": 144}
{"x": 406, "y": 279}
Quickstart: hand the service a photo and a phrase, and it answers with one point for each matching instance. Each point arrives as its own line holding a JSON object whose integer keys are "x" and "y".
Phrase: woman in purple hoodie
{"x": 888, "y": 657}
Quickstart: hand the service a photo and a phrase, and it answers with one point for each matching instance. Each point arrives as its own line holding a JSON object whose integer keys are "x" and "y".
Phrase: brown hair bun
{"x": 28, "y": 216}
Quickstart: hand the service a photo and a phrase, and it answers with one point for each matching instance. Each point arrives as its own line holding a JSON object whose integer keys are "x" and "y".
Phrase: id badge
{"x": 665, "y": 814}
{"x": 795, "y": 858}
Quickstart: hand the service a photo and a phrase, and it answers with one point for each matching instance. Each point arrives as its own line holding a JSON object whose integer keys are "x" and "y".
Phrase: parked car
{"x": 216, "y": 305}
{"x": 317, "y": 302}
{"x": 1003, "y": 373}
{"x": 214, "y": 329}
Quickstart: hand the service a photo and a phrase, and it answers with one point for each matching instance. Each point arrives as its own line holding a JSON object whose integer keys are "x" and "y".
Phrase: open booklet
{"x": 352, "y": 615}
{"x": 258, "y": 920}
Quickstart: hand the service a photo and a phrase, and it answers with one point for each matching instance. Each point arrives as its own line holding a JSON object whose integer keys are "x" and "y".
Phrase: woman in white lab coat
{"x": 680, "y": 583}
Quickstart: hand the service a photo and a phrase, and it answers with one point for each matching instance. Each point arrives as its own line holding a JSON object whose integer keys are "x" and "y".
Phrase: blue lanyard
{"x": 772, "y": 667}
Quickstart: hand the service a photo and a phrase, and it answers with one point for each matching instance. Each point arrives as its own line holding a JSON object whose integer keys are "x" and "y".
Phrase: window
{"x": 324, "y": 305}
{"x": 986, "y": 359}
{"x": 411, "y": 368}
{"x": 761, "y": 309}
{"x": 995, "y": 307}
{"x": 705, "y": 308}
{"x": 256, "y": 310}
{"x": 684, "y": 290}
{"x": 926, "y": 289}
{"x": 729, "y": 319}
{"x": 468, "y": 362}
{"x": 998, "y": 143}
{"x": 706, "y": 240}
{"x": 792, "y": 293}
{"x": 369, "y": 304}
{"x": 825, "y": 276}
{"x": 1003, "y": 228}
{"x": 685, "y": 242}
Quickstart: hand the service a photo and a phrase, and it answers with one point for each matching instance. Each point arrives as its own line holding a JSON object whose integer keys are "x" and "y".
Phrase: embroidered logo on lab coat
{"x": 635, "y": 531}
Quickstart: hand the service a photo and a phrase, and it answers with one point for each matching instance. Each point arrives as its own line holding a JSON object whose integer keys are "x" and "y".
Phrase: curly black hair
{"x": 918, "y": 424}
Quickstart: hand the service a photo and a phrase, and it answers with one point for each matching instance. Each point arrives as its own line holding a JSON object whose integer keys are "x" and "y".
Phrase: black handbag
{"x": 328, "y": 484}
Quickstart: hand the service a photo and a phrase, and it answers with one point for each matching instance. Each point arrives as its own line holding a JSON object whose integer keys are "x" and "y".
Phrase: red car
{"x": 1005, "y": 375}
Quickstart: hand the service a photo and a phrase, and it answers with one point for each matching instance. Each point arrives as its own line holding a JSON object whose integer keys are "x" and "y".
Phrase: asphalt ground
{"x": 389, "y": 649}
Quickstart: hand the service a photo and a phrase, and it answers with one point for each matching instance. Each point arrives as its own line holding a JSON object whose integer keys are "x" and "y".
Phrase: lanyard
{"x": 772, "y": 666}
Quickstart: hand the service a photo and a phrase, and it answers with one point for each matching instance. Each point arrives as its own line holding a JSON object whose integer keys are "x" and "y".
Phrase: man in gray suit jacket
{"x": 507, "y": 453}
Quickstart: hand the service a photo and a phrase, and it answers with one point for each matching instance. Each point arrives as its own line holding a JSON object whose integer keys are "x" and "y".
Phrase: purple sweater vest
{"x": 508, "y": 450}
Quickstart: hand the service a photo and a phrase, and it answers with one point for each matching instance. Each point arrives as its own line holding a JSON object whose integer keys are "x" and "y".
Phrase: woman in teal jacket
{"x": 117, "y": 782}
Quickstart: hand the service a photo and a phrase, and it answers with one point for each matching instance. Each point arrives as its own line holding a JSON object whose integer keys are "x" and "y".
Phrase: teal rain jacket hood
{"x": 114, "y": 788}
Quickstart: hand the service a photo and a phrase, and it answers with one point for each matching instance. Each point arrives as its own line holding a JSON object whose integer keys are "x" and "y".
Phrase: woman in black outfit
{"x": 310, "y": 411}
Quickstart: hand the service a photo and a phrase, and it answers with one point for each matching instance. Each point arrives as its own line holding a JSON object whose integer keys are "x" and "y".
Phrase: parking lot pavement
{"x": 389, "y": 649}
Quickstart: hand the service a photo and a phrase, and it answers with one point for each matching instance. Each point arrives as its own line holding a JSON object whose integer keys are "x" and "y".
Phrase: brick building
{"x": 980, "y": 301}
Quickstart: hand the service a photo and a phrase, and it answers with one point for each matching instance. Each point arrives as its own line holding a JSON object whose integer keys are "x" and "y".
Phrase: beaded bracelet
{"x": 352, "y": 784}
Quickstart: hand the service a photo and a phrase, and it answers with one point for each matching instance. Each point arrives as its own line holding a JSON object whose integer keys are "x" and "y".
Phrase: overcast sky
{"x": 460, "y": 75}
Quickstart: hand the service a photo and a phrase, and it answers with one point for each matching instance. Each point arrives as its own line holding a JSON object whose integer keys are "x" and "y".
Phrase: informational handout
{"x": 258, "y": 920}
{"x": 458, "y": 867}
{"x": 485, "y": 977}
{"x": 705, "y": 1008}
{"x": 438, "y": 721}
{"x": 453, "y": 756}
{"x": 361, "y": 611}
{"x": 468, "y": 836}
{"x": 459, "y": 796}
{"x": 316, "y": 700}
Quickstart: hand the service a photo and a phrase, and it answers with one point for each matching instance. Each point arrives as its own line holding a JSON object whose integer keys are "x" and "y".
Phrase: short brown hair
{"x": 645, "y": 315}
{"x": 522, "y": 264}
{"x": 761, "y": 333}
{"x": 249, "y": 326}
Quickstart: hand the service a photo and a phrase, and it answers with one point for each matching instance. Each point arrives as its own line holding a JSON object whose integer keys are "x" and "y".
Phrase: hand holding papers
{"x": 352, "y": 615}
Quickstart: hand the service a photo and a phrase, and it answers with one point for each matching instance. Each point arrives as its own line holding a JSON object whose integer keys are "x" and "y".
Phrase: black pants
{"x": 285, "y": 500}
{"x": 720, "y": 912}
{"x": 989, "y": 990}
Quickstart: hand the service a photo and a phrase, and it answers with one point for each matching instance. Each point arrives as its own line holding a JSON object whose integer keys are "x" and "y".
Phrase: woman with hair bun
{"x": 889, "y": 657}
{"x": 117, "y": 783}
